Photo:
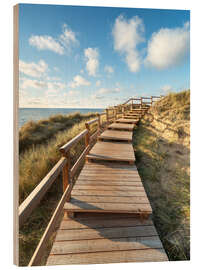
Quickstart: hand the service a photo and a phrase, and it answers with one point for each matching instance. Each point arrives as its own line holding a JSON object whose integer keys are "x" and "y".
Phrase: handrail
{"x": 43, "y": 241}
{"x": 92, "y": 121}
{"x": 67, "y": 146}
{"x": 28, "y": 205}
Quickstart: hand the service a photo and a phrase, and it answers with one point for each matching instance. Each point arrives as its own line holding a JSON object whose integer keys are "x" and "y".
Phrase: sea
{"x": 35, "y": 114}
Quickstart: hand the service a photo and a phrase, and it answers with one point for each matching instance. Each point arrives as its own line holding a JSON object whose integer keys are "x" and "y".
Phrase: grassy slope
{"x": 35, "y": 162}
{"x": 162, "y": 143}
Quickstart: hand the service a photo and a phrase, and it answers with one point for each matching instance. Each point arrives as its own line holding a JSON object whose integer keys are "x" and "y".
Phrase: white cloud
{"x": 33, "y": 69}
{"x": 127, "y": 35}
{"x": 57, "y": 45}
{"x": 46, "y": 43}
{"x": 92, "y": 64}
{"x": 98, "y": 83}
{"x": 29, "y": 83}
{"x": 67, "y": 38}
{"x": 26, "y": 83}
{"x": 103, "y": 92}
{"x": 79, "y": 81}
{"x": 168, "y": 47}
{"x": 109, "y": 69}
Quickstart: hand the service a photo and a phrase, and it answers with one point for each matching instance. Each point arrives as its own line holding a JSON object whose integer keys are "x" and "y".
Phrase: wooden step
{"x": 106, "y": 239}
{"x": 131, "y": 117}
{"x": 91, "y": 193}
{"x": 117, "y": 135}
{"x": 114, "y": 151}
{"x": 129, "y": 121}
{"x": 120, "y": 126}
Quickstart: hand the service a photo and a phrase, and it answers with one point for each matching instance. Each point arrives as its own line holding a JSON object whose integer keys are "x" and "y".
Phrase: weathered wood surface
{"x": 128, "y": 121}
{"x": 107, "y": 239}
{"x": 114, "y": 151}
{"x": 117, "y": 135}
{"x": 120, "y": 126}
{"x": 95, "y": 191}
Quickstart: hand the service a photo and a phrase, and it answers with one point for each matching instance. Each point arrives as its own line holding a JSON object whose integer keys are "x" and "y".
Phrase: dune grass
{"x": 162, "y": 144}
{"x": 38, "y": 132}
{"x": 35, "y": 162}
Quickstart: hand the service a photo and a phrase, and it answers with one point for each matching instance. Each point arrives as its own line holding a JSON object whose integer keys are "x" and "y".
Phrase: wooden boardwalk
{"x": 108, "y": 187}
{"x": 108, "y": 238}
{"x": 108, "y": 216}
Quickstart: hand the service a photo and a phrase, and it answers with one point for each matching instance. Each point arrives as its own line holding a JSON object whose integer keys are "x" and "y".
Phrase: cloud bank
{"x": 168, "y": 47}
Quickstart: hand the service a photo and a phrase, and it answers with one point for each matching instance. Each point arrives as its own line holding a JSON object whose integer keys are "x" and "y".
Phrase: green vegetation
{"x": 36, "y": 160}
{"x": 162, "y": 143}
{"x": 35, "y": 133}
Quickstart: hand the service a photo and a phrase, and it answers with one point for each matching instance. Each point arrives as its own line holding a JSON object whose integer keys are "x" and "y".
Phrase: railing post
{"x": 123, "y": 110}
{"x": 132, "y": 105}
{"x": 107, "y": 116}
{"x": 87, "y": 136}
{"x": 99, "y": 123}
{"x": 66, "y": 171}
{"x": 141, "y": 102}
{"x": 115, "y": 114}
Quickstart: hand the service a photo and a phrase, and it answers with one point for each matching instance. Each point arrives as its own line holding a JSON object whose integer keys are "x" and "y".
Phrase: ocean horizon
{"x": 35, "y": 114}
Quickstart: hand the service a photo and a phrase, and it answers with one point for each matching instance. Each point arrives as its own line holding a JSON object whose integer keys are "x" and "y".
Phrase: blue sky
{"x": 93, "y": 57}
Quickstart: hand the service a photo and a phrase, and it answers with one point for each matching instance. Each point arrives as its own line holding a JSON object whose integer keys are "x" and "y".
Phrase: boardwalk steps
{"x": 116, "y": 135}
{"x": 107, "y": 219}
{"x": 112, "y": 151}
{"x": 121, "y": 126}
{"x": 106, "y": 238}
{"x": 113, "y": 188}
{"x": 127, "y": 121}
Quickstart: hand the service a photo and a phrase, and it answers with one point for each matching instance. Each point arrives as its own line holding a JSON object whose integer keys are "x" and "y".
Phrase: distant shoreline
{"x": 36, "y": 114}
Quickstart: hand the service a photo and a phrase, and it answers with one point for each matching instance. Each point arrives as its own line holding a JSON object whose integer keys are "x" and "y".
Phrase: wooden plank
{"x": 109, "y": 199}
{"x": 146, "y": 255}
{"x": 110, "y": 244}
{"x": 80, "y": 234}
{"x": 112, "y": 151}
{"x": 108, "y": 183}
{"x": 110, "y": 166}
{"x": 120, "y": 126}
{"x": 92, "y": 121}
{"x": 129, "y": 121}
{"x": 116, "y": 135}
{"x": 113, "y": 178}
{"x": 30, "y": 203}
{"x": 108, "y": 187}
{"x": 109, "y": 175}
{"x": 108, "y": 193}
{"x": 78, "y": 206}
{"x": 103, "y": 222}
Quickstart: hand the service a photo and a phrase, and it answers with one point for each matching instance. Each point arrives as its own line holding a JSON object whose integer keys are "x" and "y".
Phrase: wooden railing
{"x": 68, "y": 173}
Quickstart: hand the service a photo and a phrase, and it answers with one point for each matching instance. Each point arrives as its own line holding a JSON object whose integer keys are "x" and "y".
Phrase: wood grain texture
{"x": 112, "y": 151}
{"x": 120, "y": 126}
{"x": 116, "y": 135}
{"x": 106, "y": 240}
{"x": 106, "y": 188}
{"x": 129, "y": 121}
{"x": 148, "y": 255}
